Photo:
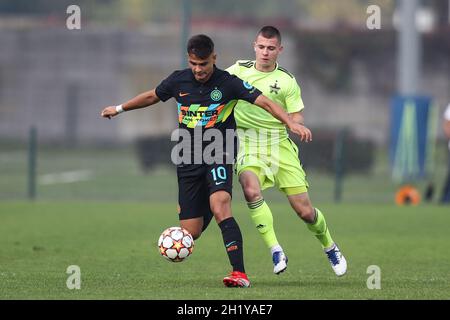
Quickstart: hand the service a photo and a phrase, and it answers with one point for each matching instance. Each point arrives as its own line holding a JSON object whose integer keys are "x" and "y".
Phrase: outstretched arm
{"x": 278, "y": 112}
{"x": 143, "y": 100}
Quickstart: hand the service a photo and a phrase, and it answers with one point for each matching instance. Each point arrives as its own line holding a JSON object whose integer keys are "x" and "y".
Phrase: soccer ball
{"x": 175, "y": 244}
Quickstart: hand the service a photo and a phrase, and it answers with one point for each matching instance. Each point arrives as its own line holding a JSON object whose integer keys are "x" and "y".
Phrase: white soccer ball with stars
{"x": 176, "y": 244}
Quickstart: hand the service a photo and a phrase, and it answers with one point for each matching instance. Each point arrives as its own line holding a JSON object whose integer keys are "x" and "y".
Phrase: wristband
{"x": 119, "y": 109}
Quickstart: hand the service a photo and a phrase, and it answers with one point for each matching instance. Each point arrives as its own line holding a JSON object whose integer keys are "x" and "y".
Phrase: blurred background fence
{"x": 57, "y": 81}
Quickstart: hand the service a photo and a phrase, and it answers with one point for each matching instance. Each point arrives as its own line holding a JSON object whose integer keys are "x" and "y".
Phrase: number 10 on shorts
{"x": 220, "y": 173}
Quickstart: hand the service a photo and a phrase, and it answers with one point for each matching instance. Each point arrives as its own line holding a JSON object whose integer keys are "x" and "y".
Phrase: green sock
{"x": 263, "y": 220}
{"x": 320, "y": 230}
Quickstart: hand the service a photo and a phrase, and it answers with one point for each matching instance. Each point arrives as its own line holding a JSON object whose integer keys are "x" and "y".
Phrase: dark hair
{"x": 201, "y": 46}
{"x": 270, "y": 32}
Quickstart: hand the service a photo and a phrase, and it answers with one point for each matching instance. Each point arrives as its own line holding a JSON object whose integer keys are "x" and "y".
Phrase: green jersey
{"x": 279, "y": 86}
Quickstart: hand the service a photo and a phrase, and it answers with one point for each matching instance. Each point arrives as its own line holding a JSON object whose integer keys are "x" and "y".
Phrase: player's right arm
{"x": 142, "y": 100}
{"x": 278, "y": 112}
{"x": 245, "y": 91}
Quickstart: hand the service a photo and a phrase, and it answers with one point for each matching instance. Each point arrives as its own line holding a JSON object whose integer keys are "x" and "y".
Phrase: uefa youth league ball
{"x": 176, "y": 244}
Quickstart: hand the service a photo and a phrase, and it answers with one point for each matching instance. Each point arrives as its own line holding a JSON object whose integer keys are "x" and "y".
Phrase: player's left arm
{"x": 294, "y": 102}
{"x": 297, "y": 117}
{"x": 278, "y": 112}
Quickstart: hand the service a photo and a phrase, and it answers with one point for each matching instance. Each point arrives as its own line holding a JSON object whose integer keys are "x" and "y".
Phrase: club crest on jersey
{"x": 274, "y": 88}
{"x": 216, "y": 95}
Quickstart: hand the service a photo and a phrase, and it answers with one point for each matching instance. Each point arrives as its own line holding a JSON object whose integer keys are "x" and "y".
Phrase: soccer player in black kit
{"x": 206, "y": 96}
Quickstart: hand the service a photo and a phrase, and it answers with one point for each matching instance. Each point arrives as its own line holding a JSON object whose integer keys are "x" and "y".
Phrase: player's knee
{"x": 306, "y": 213}
{"x": 252, "y": 193}
{"x": 250, "y": 186}
{"x": 221, "y": 206}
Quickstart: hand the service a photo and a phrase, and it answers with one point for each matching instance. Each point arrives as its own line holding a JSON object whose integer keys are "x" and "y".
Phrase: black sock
{"x": 232, "y": 238}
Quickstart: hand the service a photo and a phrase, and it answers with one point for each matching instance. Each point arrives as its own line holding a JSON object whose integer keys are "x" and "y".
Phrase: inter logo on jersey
{"x": 216, "y": 95}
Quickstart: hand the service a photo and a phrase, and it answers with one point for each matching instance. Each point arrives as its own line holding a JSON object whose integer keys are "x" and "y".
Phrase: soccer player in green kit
{"x": 267, "y": 156}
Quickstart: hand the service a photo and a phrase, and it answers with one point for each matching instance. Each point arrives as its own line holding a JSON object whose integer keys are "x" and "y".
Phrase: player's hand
{"x": 109, "y": 112}
{"x": 303, "y": 132}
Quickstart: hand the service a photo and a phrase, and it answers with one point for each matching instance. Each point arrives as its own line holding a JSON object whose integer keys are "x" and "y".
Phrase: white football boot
{"x": 279, "y": 262}
{"x": 337, "y": 260}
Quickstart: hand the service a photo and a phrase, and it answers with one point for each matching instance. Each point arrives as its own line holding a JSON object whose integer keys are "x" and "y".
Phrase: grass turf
{"x": 114, "y": 244}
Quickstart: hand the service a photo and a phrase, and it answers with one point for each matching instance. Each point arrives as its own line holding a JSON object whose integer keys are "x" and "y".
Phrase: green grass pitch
{"x": 114, "y": 244}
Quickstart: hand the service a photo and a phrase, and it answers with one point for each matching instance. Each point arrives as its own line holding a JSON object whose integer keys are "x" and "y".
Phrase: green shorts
{"x": 274, "y": 165}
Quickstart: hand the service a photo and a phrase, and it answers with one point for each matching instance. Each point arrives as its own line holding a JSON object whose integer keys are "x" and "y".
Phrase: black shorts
{"x": 196, "y": 182}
